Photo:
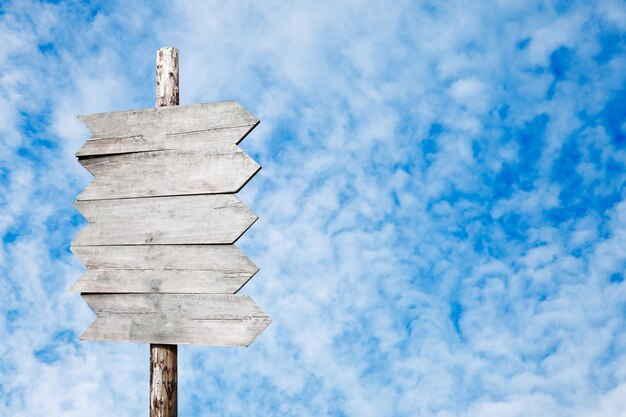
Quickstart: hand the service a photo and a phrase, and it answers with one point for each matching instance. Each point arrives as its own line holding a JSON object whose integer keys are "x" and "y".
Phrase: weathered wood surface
{"x": 193, "y": 219}
{"x": 223, "y": 169}
{"x": 159, "y": 141}
{"x": 164, "y": 358}
{"x": 168, "y": 120}
{"x": 154, "y": 281}
{"x": 202, "y": 269}
{"x": 207, "y": 319}
{"x": 167, "y": 77}
{"x": 161, "y": 267}
{"x": 227, "y": 258}
{"x": 163, "y": 380}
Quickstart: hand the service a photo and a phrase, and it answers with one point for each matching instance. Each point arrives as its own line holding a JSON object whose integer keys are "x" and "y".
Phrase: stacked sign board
{"x": 162, "y": 222}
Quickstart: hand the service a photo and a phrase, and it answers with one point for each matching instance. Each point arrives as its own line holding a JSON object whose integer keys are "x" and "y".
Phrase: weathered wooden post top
{"x": 162, "y": 267}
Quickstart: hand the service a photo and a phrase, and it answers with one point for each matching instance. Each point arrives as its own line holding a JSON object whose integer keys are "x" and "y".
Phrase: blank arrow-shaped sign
{"x": 223, "y": 169}
{"x": 204, "y": 269}
{"x": 159, "y": 141}
{"x": 150, "y": 124}
{"x": 208, "y": 319}
{"x": 192, "y": 219}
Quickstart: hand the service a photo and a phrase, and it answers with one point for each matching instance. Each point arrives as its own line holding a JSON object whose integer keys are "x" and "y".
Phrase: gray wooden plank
{"x": 203, "y": 269}
{"x": 194, "y": 219}
{"x": 160, "y": 141}
{"x": 166, "y": 120}
{"x": 206, "y": 319}
{"x": 226, "y": 258}
{"x": 133, "y": 281}
{"x": 222, "y": 169}
{"x": 154, "y": 329}
{"x": 189, "y": 306}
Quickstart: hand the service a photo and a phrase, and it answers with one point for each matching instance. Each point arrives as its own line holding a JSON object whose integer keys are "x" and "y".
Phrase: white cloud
{"x": 399, "y": 283}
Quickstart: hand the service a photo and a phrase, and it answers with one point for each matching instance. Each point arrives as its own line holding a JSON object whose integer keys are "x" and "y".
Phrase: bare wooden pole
{"x": 167, "y": 77}
{"x": 164, "y": 358}
{"x": 163, "y": 380}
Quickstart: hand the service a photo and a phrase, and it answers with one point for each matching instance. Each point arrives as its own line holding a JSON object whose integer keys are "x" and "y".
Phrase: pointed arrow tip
{"x": 74, "y": 287}
{"x": 261, "y": 325}
{"x": 86, "y": 119}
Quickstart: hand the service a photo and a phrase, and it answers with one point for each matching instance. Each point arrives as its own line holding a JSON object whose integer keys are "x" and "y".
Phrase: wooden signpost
{"x": 163, "y": 218}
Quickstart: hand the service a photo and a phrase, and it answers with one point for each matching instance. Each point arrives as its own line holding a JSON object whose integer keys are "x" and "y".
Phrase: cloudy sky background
{"x": 442, "y": 204}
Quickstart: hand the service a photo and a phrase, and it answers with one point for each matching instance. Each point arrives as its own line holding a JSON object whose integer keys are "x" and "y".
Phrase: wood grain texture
{"x": 167, "y": 77}
{"x": 159, "y": 141}
{"x": 134, "y": 281}
{"x": 196, "y": 219}
{"x": 201, "y": 269}
{"x": 166, "y": 257}
{"x": 207, "y": 319}
{"x": 164, "y": 358}
{"x": 223, "y": 169}
{"x": 163, "y": 380}
{"x": 168, "y": 120}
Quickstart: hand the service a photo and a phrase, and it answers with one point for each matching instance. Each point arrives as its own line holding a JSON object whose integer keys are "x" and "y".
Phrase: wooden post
{"x": 164, "y": 358}
{"x": 167, "y": 77}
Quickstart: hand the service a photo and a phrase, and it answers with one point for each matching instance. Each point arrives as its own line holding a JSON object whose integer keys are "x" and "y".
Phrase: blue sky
{"x": 442, "y": 204}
